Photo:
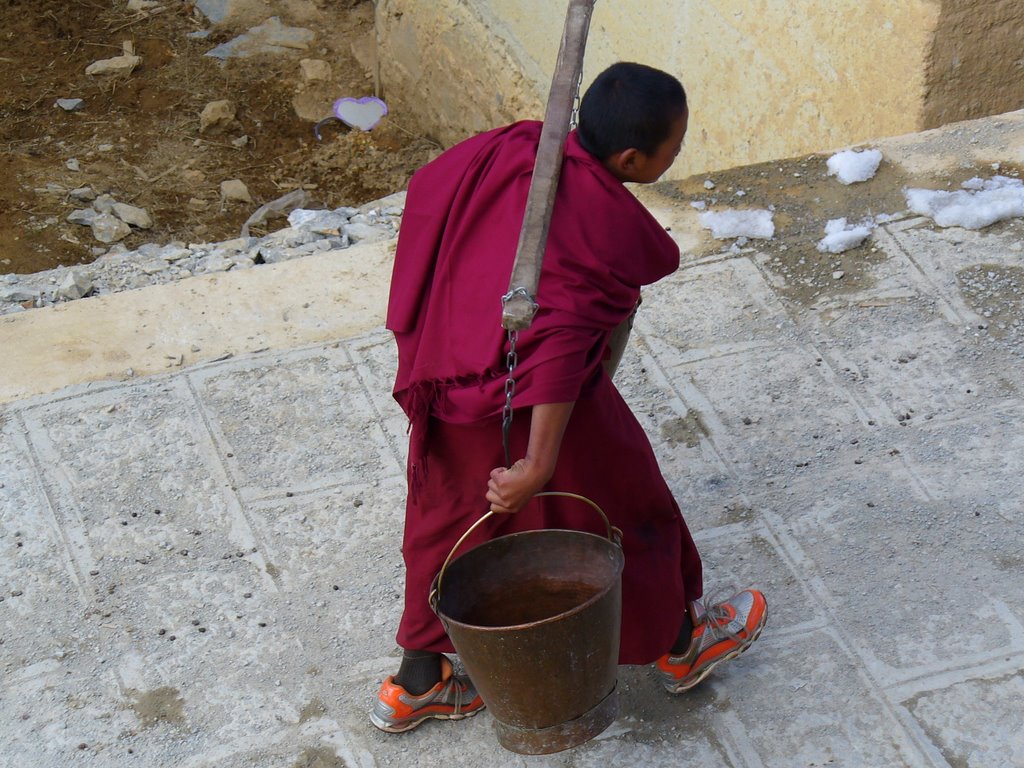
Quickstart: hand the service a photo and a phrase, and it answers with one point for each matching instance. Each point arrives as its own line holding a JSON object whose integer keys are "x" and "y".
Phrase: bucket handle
{"x": 613, "y": 533}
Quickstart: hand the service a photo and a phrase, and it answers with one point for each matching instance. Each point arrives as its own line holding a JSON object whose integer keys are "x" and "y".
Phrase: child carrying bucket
{"x": 573, "y": 431}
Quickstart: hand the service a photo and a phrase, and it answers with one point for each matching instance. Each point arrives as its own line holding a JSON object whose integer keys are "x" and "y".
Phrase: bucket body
{"x": 535, "y": 619}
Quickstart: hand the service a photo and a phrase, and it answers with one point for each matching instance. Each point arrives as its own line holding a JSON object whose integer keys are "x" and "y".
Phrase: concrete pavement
{"x": 200, "y": 565}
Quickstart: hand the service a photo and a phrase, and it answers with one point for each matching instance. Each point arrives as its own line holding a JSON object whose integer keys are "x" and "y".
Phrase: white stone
{"x": 107, "y": 228}
{"x": 18, "y": 294}
{"x": 141, "y": 5}
{"x": 83, "y": 216}
{"x": 320, "y": 222}
{"x": 69, "y": 105}
{"x": 217, "y": 263}
{"x": 130, "y": 214}
{"x": 118, "y": 65}
{"x": 154, "y": 267}
{"x": 172, "y": 253}
{"x": 85, "y": 194}
{"x": 75, "y": 285}
{"x": 104, "y": 204}
{"x": 72, "y": 164}
{"x": 235, "y": 189}
{"x": 364, "y": 233}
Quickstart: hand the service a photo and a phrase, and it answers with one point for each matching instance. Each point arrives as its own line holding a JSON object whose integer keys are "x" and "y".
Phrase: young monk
{"x": 572, "y": 430}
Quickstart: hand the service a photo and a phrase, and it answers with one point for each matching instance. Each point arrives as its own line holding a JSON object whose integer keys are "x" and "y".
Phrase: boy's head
{"x": 633, "y": 118}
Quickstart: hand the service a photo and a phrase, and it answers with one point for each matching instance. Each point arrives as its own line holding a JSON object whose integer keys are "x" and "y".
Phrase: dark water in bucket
{"x": 527, "y": 602}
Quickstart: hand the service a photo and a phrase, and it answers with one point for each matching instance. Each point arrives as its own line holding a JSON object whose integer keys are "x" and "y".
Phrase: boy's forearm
{"x": 547, "y": 425}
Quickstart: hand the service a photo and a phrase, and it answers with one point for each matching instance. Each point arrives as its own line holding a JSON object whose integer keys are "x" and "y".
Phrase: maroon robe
{"x": 455, "y": 253}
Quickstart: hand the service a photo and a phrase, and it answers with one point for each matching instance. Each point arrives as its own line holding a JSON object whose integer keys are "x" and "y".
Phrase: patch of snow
{"x": 979, "y": 204}
{"x": 841, "y": 236}
{"x": 852, "y": 166}
{"x": 725, "y": 225}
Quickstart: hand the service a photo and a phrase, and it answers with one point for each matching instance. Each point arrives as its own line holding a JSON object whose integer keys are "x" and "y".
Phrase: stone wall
{"x": 766, "y": 78}
{"x": 976, "y": 64}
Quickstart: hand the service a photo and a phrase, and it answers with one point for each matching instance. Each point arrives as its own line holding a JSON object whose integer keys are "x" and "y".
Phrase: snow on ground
{"x": 724, "y": 225}
{"x": 852, "y": 166}
{"x": 979, "y": 204}
{"x": 841, "y": 236}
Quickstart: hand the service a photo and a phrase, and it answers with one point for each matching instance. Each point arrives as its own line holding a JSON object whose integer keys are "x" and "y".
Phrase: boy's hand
{"x": 509, "y": 489}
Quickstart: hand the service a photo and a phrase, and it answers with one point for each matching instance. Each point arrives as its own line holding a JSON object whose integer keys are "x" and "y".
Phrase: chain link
{"x": 511, "y": 361}
{"x": 574, "y": 117}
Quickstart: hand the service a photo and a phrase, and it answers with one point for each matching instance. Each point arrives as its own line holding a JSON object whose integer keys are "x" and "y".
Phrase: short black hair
{"x": 629, "y": 106}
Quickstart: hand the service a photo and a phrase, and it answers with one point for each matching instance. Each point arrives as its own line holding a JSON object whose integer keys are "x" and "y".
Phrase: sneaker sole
{"x": 408, "y": 725}
{"x": 682, "y": 688}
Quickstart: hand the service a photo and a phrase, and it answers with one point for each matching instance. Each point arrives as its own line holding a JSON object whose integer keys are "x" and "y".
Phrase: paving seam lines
{"x": 775, "y": 540}
{"x": 918, "y": 275}
{"x": 661, "y": 378}
{"x": 789, "y": 548}
{"x": 82, "y": 582}
{"x": 806, "y": 341}
{"x": 918, "y": 481}
{"x": 326, "y": 491}
{"x": 229, "y": 494}
{"x": 998, "y": 665}
{"x": 358, "y": 364}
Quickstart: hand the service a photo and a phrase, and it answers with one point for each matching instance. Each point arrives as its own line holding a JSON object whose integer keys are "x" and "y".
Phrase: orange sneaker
{"x": 722, "y": 632}
{"x": 453, "y": 698}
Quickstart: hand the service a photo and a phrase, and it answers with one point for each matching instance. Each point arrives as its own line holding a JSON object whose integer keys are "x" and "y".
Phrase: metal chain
{"x": 574, "y": 117}
{"x": 511, "y": 361}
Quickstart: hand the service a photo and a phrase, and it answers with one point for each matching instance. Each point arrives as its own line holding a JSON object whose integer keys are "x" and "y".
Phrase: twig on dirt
{"x": 272, "y": 162}
{"x": 212, "y": 143}
{"x": 162, "y": 174}
{"x": 407, "y": 132}
{"x": 104, "y": 45}
{"x": 143, "y": 15}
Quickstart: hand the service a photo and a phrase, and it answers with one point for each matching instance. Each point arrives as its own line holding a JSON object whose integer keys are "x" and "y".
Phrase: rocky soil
{"x": 130, "y": 122}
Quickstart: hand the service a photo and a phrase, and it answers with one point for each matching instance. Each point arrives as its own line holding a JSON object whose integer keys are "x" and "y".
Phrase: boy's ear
{"x": 624, "y": 163}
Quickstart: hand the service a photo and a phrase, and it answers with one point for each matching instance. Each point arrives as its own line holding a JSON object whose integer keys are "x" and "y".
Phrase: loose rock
{"x": 69, "y": 105}
{"x": 314, "y": 70}
{"x": 118, "y": 65}
{"x": 107, "y": 228}
{"x": 83, "y": 216}
{"x": 235, "y": 189}
{"x": 216, "y": 115}
{"x": 77, "y": 283}
{"x": 130, "y": 214}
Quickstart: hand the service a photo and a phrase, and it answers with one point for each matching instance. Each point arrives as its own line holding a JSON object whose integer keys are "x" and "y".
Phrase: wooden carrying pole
{"x": 519, "y": 307}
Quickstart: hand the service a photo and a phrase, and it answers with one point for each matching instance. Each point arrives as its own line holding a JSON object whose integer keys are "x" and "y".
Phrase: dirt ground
{"x": 138, "y": 137}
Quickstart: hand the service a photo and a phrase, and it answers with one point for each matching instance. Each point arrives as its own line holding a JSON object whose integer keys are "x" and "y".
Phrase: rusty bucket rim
{"x": 620, "y": 564}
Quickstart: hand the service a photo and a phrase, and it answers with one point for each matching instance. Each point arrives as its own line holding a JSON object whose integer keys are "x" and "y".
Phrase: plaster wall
{"x": 766, "y": 78}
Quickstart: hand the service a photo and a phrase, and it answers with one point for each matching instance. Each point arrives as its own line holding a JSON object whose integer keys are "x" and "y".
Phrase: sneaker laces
{"x": 718, "y": 618}
{"x": 453, "y": 686}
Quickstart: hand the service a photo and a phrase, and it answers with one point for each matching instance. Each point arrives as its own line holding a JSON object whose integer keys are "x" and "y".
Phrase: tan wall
{"x": 452, "y": 64}
{"x": 765, "y": 79}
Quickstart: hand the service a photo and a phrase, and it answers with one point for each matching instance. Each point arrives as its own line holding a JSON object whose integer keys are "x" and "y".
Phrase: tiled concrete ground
{"x": 202, "y": 568}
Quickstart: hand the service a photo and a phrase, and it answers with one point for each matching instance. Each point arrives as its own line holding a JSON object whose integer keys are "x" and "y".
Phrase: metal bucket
{"x": 535, "y": 619}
